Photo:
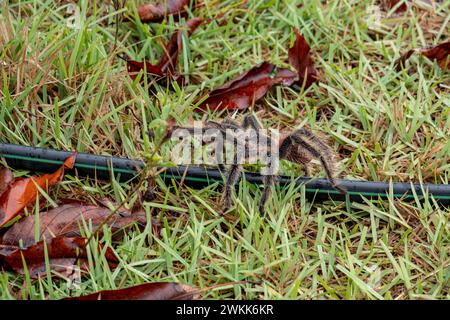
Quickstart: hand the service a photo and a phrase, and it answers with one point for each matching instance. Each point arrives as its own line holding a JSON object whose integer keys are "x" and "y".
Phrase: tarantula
{"x": 299, "y": 146}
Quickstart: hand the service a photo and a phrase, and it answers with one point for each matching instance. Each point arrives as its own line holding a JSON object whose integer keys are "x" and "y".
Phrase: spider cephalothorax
{"x": 299, "y": 146}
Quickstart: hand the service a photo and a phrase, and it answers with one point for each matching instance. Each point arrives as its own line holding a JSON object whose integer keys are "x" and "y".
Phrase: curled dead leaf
{"x": 439, "y": 52}
{"x": 68, "y": 220}
{"x": 23, "y": 191}
{"x": 157, "y": 12}
{"x": 63, "y": 253}
{"x": 172, "y": 50}
{"x": 6, "y": 177}
{"x": 247, "y": 88}
{"x": 166, "y": 66}
{"x": 300, "y": 58}
{"x": 134, "y": 67}
{"x": 147, "y": 291}
{"x": 390, "y": 4}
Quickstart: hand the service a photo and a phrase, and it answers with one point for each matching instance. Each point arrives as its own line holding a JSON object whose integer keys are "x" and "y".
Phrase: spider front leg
{"x": 250, "y": 121}
{"x": 269, "y": 182}
{"x": 231, "y": 179}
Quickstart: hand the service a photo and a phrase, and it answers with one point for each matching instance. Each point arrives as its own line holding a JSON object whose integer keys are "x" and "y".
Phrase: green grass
{"x": 64, "y": 88}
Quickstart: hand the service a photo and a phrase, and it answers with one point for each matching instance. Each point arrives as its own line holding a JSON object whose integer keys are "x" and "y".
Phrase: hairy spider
{"x": 299, "y": 146}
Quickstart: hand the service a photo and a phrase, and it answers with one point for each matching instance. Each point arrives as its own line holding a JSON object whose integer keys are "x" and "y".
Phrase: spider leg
{"x": 269, "y": 181}
{"x": 285, "y": 148}
{"x": 321, "y": 146}
{"x": 226, "y": 124}
{"x": 231, "y": 175}
{"x": 250, "y": 121}
{"x": 314, "y": 139}
{"x": 207, "y": 126}
{"x": 322, "y": 155}
{"x": 231, "y": 179}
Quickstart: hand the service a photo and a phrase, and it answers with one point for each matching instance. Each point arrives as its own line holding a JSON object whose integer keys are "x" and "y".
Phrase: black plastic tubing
{"x": 123, "y": 169}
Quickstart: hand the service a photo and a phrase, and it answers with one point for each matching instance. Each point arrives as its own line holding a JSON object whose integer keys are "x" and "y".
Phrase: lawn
{"x": 64, "y": 87}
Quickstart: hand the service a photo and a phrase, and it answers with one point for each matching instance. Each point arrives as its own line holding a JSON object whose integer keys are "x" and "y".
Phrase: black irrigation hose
{"x": 101, "y": 167}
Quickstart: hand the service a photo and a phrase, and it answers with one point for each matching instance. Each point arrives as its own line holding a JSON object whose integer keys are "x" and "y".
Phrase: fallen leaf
{"x": 157, "y": 12}
{"x": 22, "y": 191}
{"x": 300, "y": 58}
{"x": 147, "y": 291}
{"x": 249, "y": 87}
{"x": 6, "y": 177}
{"x": 421, "y": 4}
{"x": 134, "y": 67}
{"x": 438, "y": 52}
{"x": 172, "y": 50}
{"x": 62, "y": 252}
{"x": 67, "y": 221}
{"x": 392, "y": 3}
{"x": 166, "y": 66}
